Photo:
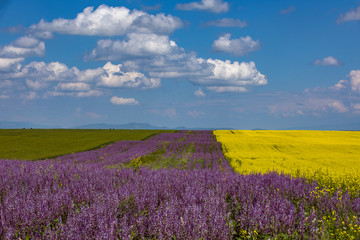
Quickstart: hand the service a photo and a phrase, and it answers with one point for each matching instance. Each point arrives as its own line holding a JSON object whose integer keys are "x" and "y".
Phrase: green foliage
{"x": 135, "y": 163}
{"x": 33, "y": 144}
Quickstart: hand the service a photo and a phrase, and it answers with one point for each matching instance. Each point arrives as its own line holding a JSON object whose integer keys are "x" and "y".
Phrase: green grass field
{"x": 33, "y": 144}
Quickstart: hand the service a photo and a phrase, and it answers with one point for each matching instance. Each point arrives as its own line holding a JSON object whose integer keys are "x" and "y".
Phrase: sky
{"x": 208, "y": 63}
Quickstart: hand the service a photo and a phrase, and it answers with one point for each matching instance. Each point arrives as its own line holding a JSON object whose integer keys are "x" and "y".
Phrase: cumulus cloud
{"x": 10, "y": 64}
{"x": 115, "y": 77}
{"x": 35, "y": 85}
{"x": 338, "y": 106}
{"x": 136, "y": 45}
{"x": 91, "y": 93}
{"x": 216, "y": 6}
{"x": 342, "y": 84}
{"x": 351, "y": 15}
{"x": 355, "y": 80}
{"x": 23, "y": 47}
{"x": 227, "y": 22}
{"x": 206, "y": 72}
{"x": 110, "y": 21}
{"x": 236, "y": 73}
{"x": 221, "y": 89}
{"x": 110, "y": 75}
{"x": 353, "y": 84}
{"x": 199, "y": 93}
{"x": 328, "y": 61}
{"x": 57, "y": 79}
{"x": 343, "y": 97}
{"x": 287, "y": 10}
{"x": 123, "y": 101}
{"x": 41, "y": 71}
{"x": 77, "y": 86}
{"x": 237, "y": 47}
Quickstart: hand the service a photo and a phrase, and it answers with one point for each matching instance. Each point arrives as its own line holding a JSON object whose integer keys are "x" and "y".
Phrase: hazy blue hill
{"x": 19, "y": 125}
{"x": 119, "y": 126}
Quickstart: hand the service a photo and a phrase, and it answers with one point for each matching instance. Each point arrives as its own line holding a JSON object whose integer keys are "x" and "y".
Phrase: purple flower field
{"x": 100, "y": 195}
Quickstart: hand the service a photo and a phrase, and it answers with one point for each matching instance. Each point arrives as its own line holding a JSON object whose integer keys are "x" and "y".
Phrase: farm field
{"x": 175, "y": 185}
{"x": 330, "y": 157}
{"x": 32, "y": 144}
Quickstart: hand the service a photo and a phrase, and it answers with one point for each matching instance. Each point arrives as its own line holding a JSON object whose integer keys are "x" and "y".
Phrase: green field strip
{"x": 34, "y": 144}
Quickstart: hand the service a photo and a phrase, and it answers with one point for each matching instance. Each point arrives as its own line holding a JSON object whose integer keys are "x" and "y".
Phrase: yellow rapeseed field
{"x": 330, "y": 157}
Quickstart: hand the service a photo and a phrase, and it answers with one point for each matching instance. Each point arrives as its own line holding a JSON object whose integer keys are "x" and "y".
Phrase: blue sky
{"x": 207, "y": 63}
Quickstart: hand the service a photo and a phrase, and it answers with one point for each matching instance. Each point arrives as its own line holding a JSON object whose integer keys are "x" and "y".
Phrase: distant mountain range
{"x": 133, "y": 125}
{"x": 119, "y": 126}
{"x": 136, "y": 126}
{"x": 19, "y": 125}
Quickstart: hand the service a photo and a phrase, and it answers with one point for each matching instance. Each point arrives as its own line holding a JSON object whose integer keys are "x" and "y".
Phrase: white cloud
{"x": 77, "y": 86}
{"x": 221, "y": 89}
{"x": 199, "y": 93}
{"x": 237, "y": 47}
{"x": 328, "y": 61}
{"x": 174, "y": 65}
{"x": 355, "y": 80}
{"x": 91, "y": 93}
{"x": 338, "y": 106}
{"x": 288, "y": 10}
{"x": 353, "y": 84}
{"x": 37, "y": 74}
{"x": 41, "y": 71}
{"x": 236, "y": 73}
{"x": 351, "y": 15}
{"x": 216, "y": 6}
{"x": 35, "y": 85}
{"x": 89, "y": 75}
{"x": 227, "y": 22}
{"x": 110, "y": 21}
{"x": 115, "y": 77}
{"x": 10, "y": 64}
{"x": 342, "y": 84}
{"x": 123, "y": 101}
{"x": 136, "y": 45}
{"x": 23, "y": 47}
{"x": 206, "y": 72}
{"x": 57, "y": 79}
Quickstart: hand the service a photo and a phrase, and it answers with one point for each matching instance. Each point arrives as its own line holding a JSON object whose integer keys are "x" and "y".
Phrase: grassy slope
{"x": 32, "y": 144}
